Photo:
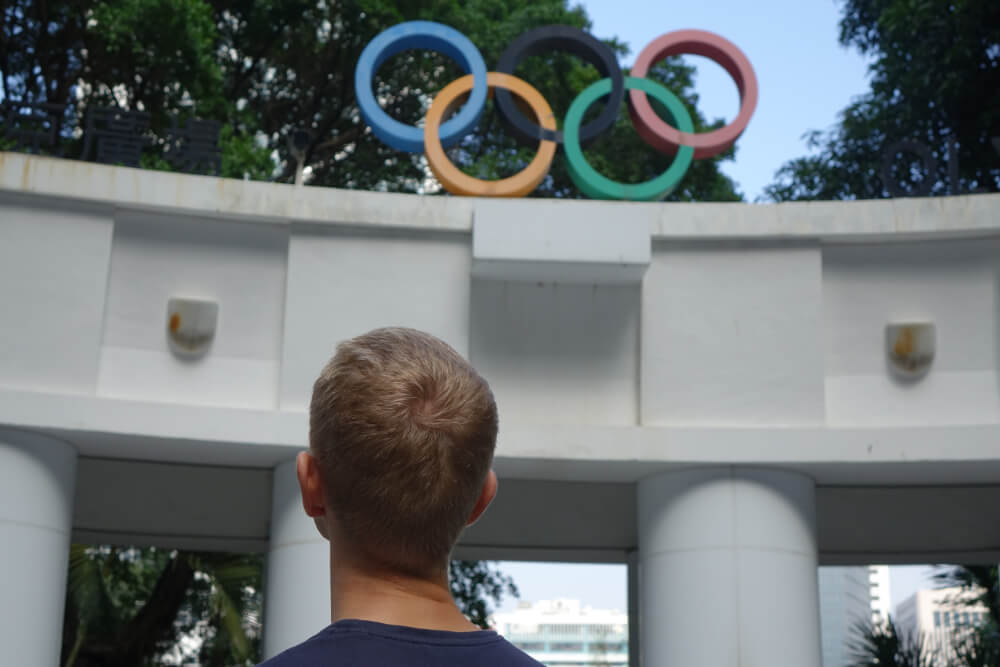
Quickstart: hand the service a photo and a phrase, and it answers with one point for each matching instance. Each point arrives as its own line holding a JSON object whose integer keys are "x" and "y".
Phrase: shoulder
{"x": 363, "y": 643}
{"x": 286, "y": 658}
{"x": 311, "y": 651}
{"x": 511, "y": 656}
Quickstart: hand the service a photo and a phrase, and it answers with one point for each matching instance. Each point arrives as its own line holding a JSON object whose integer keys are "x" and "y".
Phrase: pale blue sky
{"x": 805, "y": 76}
{"x": 604, "y": 586}
{"x": 599, "y": 585}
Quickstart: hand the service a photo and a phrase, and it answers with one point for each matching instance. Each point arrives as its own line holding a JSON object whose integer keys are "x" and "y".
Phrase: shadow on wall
{"x": 558, "y": 353}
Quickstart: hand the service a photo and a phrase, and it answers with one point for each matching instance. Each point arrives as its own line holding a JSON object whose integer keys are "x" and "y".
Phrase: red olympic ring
{"x": 667, "y": 139}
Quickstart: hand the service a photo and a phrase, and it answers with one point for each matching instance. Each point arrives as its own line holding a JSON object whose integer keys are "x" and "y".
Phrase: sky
{"x": 604, "y": 586}
{"x": 805, "y": 76}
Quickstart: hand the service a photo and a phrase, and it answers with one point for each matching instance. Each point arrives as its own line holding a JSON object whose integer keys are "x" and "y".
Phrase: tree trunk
{"x": 154, "y": 620}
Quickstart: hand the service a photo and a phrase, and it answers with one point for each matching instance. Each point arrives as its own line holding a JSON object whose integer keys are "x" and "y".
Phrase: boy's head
{"x": 403, "y": 430}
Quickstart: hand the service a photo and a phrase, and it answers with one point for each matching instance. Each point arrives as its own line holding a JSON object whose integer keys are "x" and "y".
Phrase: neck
{"x": 360, "y": 591}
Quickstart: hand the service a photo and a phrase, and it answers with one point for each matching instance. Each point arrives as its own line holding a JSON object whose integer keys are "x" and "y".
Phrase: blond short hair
{"x": 404, "y": 431}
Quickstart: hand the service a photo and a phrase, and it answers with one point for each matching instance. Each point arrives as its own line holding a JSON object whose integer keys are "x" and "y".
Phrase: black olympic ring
{"x": 578, "y": 43}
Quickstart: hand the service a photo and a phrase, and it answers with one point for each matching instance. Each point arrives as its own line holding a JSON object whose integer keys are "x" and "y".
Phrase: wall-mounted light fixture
{"x": 191, "y": 325}
{"x": 910, "y": 347}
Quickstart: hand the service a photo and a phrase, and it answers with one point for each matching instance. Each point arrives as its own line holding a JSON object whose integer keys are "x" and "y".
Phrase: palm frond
{"x": 87, "y": 588}
{"x": 883, "y": 645}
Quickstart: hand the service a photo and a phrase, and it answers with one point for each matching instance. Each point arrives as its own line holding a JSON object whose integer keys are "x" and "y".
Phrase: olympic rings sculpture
{"x": 471, "y": 91}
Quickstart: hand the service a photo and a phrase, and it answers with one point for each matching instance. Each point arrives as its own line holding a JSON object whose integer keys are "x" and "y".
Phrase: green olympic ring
{"x": 597, "y": 186}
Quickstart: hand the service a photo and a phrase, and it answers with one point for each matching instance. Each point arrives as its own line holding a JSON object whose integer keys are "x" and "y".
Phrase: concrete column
{"x": 37, "y": 482}
{"x": 728, "y": 569}
{"x": 297, "y": 588}
{"x": 634, "y": 586}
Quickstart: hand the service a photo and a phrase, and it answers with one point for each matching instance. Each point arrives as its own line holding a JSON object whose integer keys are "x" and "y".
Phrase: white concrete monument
{"x": 702, "y": 391}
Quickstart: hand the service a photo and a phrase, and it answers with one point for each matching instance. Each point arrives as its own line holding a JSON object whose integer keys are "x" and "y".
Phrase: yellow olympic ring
{"x": 459, "y": 183}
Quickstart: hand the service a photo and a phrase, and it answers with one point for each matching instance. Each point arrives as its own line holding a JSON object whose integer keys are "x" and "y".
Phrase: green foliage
{"x": 243, "y": 157}
{"x": 474, "y": 583}
{"x": 979, "y": 647}
{"x": 41, "y": 47}
{"x": 971, "y": 646}
{"x": 982, "y": 581}
{"x": 131, "y": 607}
{"x": 883, "y": 645}
{"x": 165, "y": 48}
{"x": 223, "y": 607}
{"x": 935, "y": 78}
{"x": 267, "y": 67}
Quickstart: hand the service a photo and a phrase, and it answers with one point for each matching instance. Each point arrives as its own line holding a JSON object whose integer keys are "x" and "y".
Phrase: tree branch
{"x": 146, "y": 627}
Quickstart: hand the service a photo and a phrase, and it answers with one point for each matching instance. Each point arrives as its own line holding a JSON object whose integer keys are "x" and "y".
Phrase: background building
{"x": 849, "y": 596}
{"x": 563, "y": 633}
{"x": 941, "y": 616}
{"x": 844, "y": 601}
{"x": 881, "y": 595}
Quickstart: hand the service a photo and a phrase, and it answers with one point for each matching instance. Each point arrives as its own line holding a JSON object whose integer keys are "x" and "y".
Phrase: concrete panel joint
{"x": 539, "y": 243}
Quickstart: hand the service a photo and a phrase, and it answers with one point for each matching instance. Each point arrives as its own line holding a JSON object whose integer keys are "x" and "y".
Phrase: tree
{"x": 882, "y": 645}
{"x": 129, "y": 607}
{"x": 474, "y": 583}
{"x": 971, "y": 647}
{"x": 267, "y": 68}
{"x": 935, "y": 80}
{"x": 134, "y": 606}
{"x": 161, "y": 57}
{"x": 981, "y": 581}
{"x": 979, "y": 646}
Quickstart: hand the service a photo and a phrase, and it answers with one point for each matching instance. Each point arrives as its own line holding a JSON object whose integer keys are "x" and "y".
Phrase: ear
{"x": 486, "y": 496}
{"x": 311, "y": 486}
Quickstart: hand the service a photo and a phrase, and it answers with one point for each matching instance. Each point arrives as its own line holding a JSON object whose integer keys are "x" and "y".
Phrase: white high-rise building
{"x": 940, "y": 616}
{"x": 564, "y": 633}
{"x": 849, "y": 596}
{"x": 844, "y": 600}
{"x": 881, "y": 599}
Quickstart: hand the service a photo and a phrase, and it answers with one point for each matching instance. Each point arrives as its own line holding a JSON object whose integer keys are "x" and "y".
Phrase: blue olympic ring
{"x": 419, "y": 35}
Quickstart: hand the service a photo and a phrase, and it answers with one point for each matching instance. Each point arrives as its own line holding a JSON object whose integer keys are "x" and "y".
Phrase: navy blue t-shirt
{"x": 354, "y": 643}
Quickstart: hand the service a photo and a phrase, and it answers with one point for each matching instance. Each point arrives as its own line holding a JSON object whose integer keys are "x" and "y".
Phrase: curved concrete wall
{"x": 622, "y": 340}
